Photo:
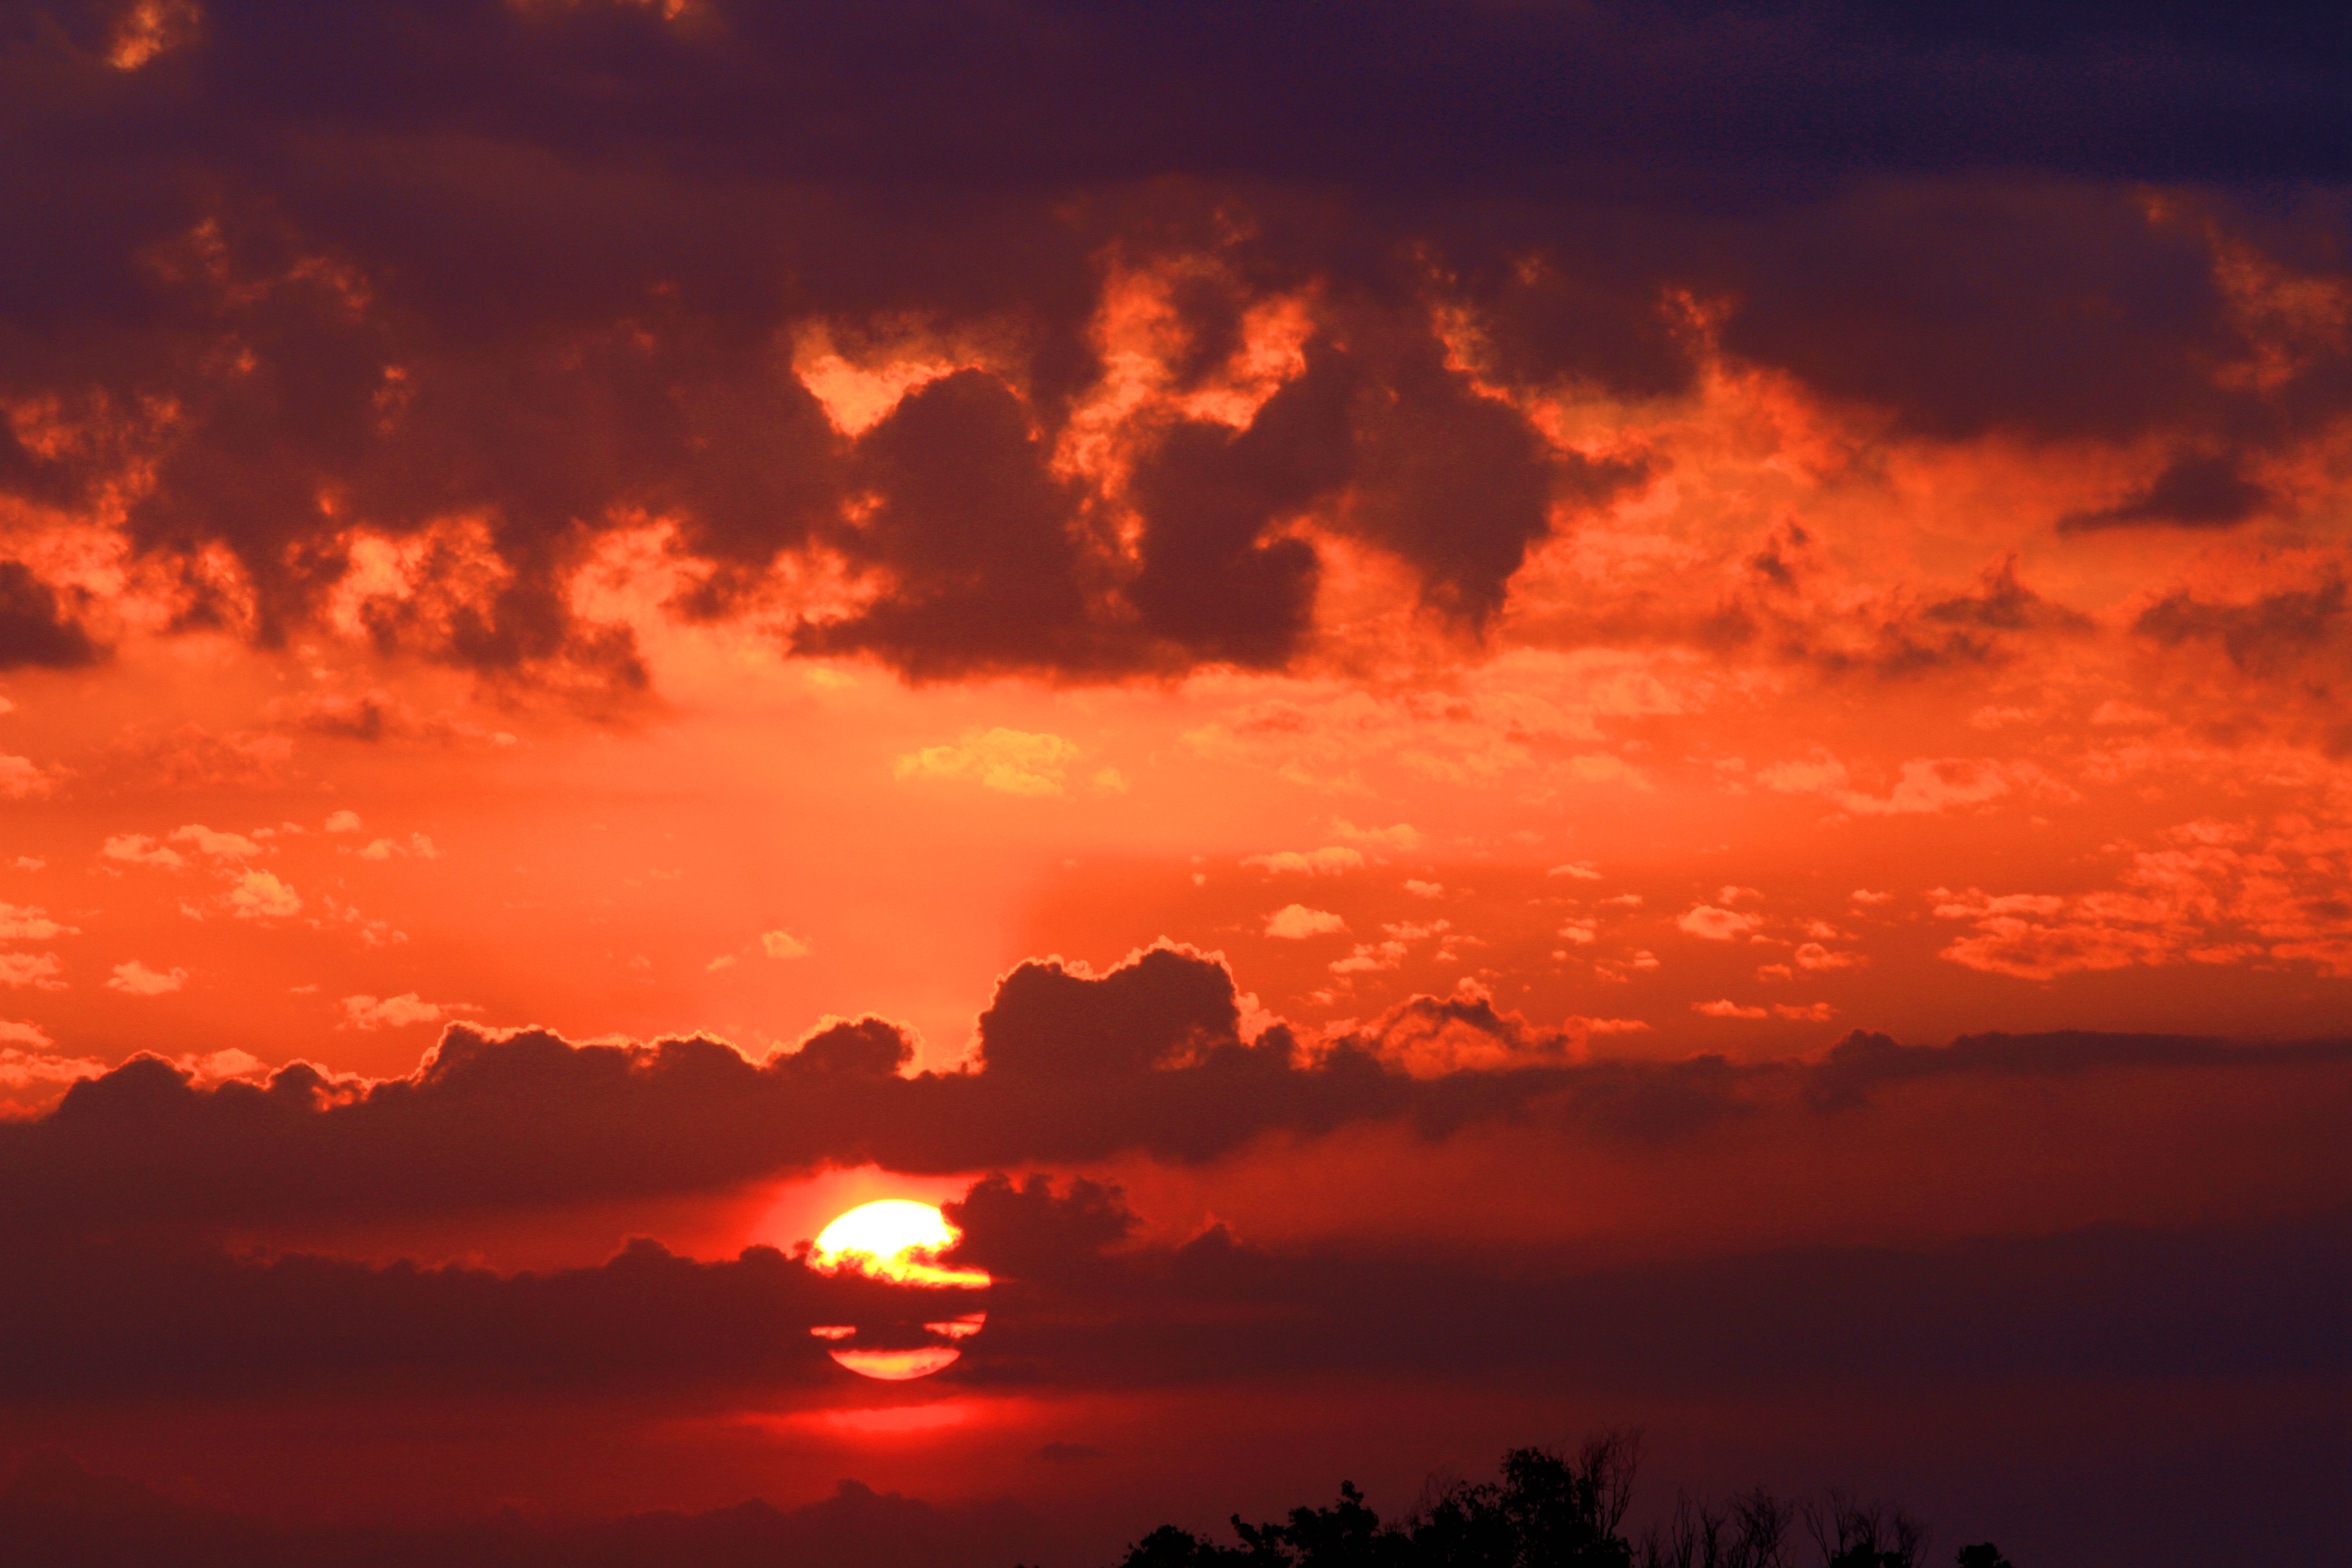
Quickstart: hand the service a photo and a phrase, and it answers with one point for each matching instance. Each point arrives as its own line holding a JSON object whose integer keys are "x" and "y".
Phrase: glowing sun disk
{"x": 895, "y": 1239}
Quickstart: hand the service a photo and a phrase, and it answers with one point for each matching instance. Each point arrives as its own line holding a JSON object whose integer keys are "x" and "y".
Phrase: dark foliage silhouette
{"x": 1549, "y": 1509}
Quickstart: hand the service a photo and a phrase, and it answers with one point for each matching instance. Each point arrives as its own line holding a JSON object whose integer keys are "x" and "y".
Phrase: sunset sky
{"x": 1474, "y": 720}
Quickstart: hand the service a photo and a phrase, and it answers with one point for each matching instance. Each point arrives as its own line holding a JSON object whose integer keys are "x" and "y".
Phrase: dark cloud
{"x": 2106, "y": 1301}
{"x": 1894, "y": 637}
{"x": 2270, "y": 633}
{"x": 1863, "y": 1062}
{"x": 1075, "y": 1068}
{"x": 2193, "y": 492}
{"x": 1080, "y": 1303}
{"x": 33, "y": 627}
{"x": 54, "y": 1511}
{"x": 110, "y": 1322}
{"x": 540, "y": 271}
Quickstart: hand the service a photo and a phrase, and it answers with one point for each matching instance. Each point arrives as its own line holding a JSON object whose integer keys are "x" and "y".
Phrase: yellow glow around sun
{"x": 895, "y": 1239}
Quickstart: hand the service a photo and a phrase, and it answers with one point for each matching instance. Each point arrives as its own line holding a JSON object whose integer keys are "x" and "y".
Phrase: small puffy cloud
{"x": 1715, "y": 924}
{"x": 229, "y": 846}
{"x": 25, "y": 1061}
{"x": 261, "y": 896}
{"x": 417, "y": 845}
{"x": 784, "y": 944}
{"x": 1867, "y": 899}
{"x": 1814, "y": 955}
{"x": 139, "y": 849}
{"x": 220, "y": 1066}
{"x": 1296, "y": 921}
{"x": 1581, "y": 931}
{"x": 1934, "y": 784}
{"x": 398, "y": 1011}
{"x": 39, "y": 971}
{"x": 20, "y": 779}
{"x": 1402, "y": 835}
{"x": 1624, "y": 900}
{"x": 1370, "y": 957}
{"x": 1775, "y": 972}
{"x": 1331, "y": 859}
{"x": 1425, "y": 889}
{"x": 24, "y": 922}
{"x": 1807, "y": 1013}
{"x": 135, "y": 979}
{"x": 724, "y": 961}
{"x": 30, "y": 863}
{"x": 1111, "y": 781}
{"x": 343, "y": 822}
{"x": 1010, "y": 762}
{"x": 1728, "y": 1008}
{"x": 1820, "y": 774}
{"x": 1582, "y": 871}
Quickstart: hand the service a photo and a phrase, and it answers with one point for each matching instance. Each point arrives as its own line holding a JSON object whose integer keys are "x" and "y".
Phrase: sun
{"x": 898, "y": 1240}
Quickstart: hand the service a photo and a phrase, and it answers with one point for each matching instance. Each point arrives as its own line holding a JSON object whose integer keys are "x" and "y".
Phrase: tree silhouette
{"x": 1548, "y": 1510}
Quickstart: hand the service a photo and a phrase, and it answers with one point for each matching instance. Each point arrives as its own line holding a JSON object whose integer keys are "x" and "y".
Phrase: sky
{"x": 1472, "y": 720}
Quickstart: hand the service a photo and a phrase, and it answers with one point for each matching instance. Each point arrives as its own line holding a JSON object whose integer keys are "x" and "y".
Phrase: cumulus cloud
{"x": 24, "y": 923}
{"x": 784, "y": 944}
{"x": 40, "y": 971}
{"x": 1715, "y": 924}
{"x": 398, "y": 1011}
{"x": 1727, "y": 1008}
{"x": 261, "y": 896}
{"x": 1010, "y": 762}
{"x": 1582, "y": 871}
{"x": 142, "y": 849}
{"x": 21, "y": 778}
{"x": 1153, "y": 1049}
{"x": 205, "y": 841}
{"x": 1401, "y": 836}
{"x": 135, "y": 979}
{"x": 1296, "y": 921}
{"x": 1329, "y": 861}
{"x": 1419, "y": 889}
{"x": 343, "y": 822}
{"x": 417, "y": 845}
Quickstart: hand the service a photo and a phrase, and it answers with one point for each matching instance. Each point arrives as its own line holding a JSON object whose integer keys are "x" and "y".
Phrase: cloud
{"x": 2193, "y": 491}
{"x": 1425, "y": 889}
{"x": 21, "y": 1067}
{"x": 135, "y": 979}
{"x": 139, "y": 849}
{"x": 24, "y": 923}
{"x": 1729, "y": 1009}
{"x": 261, "y": 896}
{"x": 228, "y": 846}
{"x": 343, "y": 822}
{"x": 1296, "y": 922}
{"x": 1814, "y": 955}
{"x": 1582, "y": 871}
{"x": 784, "y": 944}
{"x": 1401, "y": 836}
{"x": 1072, "y": 1067}
{"x": 1329, "y": 861}
{"x": 417, "y": 845}
{"x": 37, "y": 969}
{"x": 21, "y": 778}
{"x": 1715, "y": 924}
{"x": 35, "y": 629}
{"x": 398, "y": 1011}
{"x": 1010, "y": 762}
